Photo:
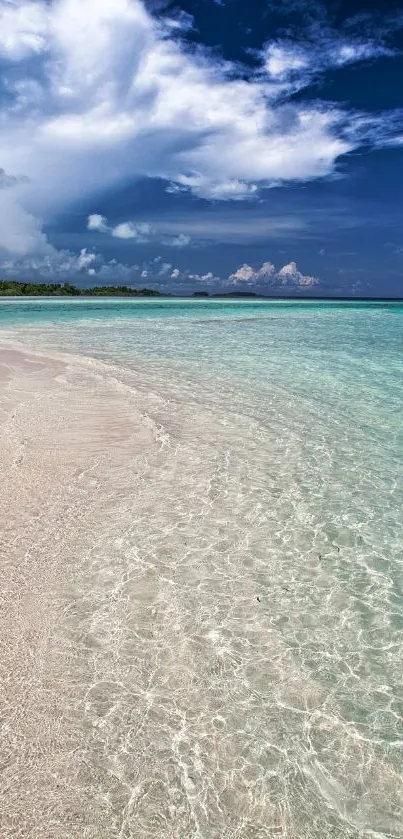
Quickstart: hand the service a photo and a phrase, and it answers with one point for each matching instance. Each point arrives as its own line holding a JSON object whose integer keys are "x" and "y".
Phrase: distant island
{"x": 11, "y": 288}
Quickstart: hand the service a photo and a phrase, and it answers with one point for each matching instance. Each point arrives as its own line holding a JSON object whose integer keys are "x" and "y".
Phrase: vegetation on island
{"x": 12, "y": 288}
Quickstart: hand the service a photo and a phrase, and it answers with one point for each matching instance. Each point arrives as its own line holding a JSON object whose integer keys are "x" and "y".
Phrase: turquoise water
{"x": 279, "y": 478}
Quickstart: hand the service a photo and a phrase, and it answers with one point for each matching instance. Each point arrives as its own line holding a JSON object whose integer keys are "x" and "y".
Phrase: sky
{"x": 203, "y": 145}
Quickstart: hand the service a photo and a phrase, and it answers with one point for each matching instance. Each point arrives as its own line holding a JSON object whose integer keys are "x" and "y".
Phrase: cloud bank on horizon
{"x": 100, "y": 93}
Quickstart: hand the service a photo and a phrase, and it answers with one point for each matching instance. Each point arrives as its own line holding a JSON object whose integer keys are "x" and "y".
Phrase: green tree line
{"x": 12, "y": 288}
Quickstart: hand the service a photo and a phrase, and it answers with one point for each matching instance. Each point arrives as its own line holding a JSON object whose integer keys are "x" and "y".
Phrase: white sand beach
{"x": 64, "y": 432}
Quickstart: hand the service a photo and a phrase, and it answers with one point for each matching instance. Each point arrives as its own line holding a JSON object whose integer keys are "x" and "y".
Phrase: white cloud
{"x": 66, "y": 266}
{"x": 247, "y": 274}
{"x": 60, "y": 265}
{"x": 23, "y": 29}
{"x": 175, "y": 189}
{"x": 352, "y": 52}
{"x": 180, "y": 241}
{"x": 97, "y": 222}
{"x": 294, "y": 63}
{"x": 89, "y": 267}
{"x": 189, "y": 281}
{"x": 20, "y": 231}
{"x": 182, "y": 21}
{"x": 244, "y": 274}
{"x": 216, "y": 225}
{"x": 140, "y": 231}
{"x": 283, "y": 60}
{"x": 217, "y": 190}
{"x": 266, "y": 275}
{"x": 208, "y": 278}
{"x": 290, "y": 276}
{"x": 126, "y": 230}
{"x": 115, "y": 96}
{"x": 85, "y": 259}
{"x": 263, "y": 280}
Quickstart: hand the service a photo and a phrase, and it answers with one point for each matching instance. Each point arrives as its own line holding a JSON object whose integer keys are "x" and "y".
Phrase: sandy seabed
{"x": 65, "y": 432}
{"x": 161, "y": 594}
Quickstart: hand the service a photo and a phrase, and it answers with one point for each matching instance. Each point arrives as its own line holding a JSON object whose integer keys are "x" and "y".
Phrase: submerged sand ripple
{"x": 66, "y": 434}
{"x": 146, "y": 692}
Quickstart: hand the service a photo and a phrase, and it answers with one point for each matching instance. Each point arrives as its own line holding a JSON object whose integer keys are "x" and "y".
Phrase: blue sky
{"x": 219, "y": 145}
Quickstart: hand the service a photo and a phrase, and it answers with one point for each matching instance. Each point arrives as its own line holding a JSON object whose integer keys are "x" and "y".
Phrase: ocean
{"x": 255, "y": 687}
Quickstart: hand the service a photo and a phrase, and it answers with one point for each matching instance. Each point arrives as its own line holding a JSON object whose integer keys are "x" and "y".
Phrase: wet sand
{"x": 65, "y": 433}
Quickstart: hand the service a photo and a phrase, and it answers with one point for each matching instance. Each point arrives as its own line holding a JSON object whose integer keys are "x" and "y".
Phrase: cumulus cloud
{"x": 89, "y": 267}
{"x": 116, "y": 88}
{"x": 85, "y": 259}
{"x": 246, "y": 274}
{"x": 117, "y": 96}
{"x": 289, "y": 275}
{"x": 126, "y": 230}
{"x": 266, "y": 275}
{"x": 97, "y": 222}
{"x": 141, "y": 231}
{"x": 206, "y": 279}
{"x": 20, "y": 232}
{"x": 121, "y": 99}
{"x": 264, "y": 279}
{"x": 60, "y": 265}
{"x": 65, "y": 266}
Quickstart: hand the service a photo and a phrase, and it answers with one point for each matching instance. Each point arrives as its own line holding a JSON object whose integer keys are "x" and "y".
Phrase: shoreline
{"x": 66, "y": 434}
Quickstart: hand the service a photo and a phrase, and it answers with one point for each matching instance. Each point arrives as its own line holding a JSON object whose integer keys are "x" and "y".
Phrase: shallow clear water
{"x": 268, "y": 626}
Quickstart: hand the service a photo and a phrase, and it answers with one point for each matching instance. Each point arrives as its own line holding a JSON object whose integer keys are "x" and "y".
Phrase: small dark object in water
{"x": 338, "y": 549}
{"x": 319, "y": 556}
{"x": 258, "y": 599}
